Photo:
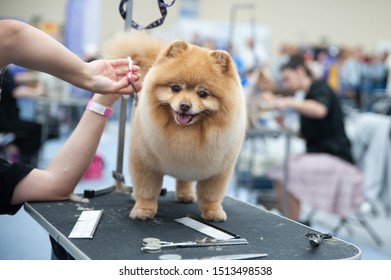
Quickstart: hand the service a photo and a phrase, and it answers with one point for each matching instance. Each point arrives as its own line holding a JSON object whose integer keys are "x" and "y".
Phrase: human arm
{"x": 28, "y": 47}
{"x": 59, "y": 179}
{"x": 309, "y": 108}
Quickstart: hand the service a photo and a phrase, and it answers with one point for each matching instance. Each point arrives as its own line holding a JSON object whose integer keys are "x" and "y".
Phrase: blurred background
{"x": 356, "y": 24}
{"x": 346, "y": 43}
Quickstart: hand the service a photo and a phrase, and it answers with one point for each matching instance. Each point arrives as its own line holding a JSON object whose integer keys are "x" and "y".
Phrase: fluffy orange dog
{"x": 189, "y": 123}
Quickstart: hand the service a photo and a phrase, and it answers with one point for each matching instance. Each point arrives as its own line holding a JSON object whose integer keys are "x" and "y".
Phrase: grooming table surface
{"x": 119, "y": 237}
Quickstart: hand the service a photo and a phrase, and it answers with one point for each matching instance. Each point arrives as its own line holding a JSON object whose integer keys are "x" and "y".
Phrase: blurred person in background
{"x": 373, "y": 74}
{"x": 387, "y": 63}
{"x": 286, "y": 50}
{"x": 317, "y": 65}
{"x": 28, "y": 140}
{"x": 350, "y": 75}
{"x": 315, "y": 176}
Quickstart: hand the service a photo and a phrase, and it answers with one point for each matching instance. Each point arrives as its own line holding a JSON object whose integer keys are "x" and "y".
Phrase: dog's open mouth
{"x": 183, "y": 119}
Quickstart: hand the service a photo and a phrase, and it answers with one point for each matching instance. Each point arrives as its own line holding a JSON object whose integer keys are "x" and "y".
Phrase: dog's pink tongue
{"x": 183, "y": 119}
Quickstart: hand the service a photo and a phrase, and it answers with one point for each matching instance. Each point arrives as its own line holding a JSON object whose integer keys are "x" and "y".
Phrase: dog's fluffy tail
{"x": 140, "y": 46}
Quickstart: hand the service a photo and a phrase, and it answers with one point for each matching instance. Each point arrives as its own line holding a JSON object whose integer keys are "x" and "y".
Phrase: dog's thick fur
{"x": 189, "y": 123}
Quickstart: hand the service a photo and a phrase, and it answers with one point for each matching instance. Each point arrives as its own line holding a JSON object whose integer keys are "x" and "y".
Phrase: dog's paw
{"x": 186, "y": 197}
{"x": 215, "y": 215}
{"x": 142, "y": 214}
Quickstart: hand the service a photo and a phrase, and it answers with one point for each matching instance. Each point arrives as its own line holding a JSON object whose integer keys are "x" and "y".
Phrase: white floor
{"x": 21, "y": 238}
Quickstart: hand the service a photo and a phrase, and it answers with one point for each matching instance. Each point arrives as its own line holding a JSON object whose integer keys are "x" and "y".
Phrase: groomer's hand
{"x": 110, "y": 76}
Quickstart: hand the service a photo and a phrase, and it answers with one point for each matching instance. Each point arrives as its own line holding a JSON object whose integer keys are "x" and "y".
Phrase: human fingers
{"x": 138, "y": 86}
{"x": 280, "y": 103}
{"x": 268, "y": 96}
{"x": 133, "y": 78}
{"x": 121, "y": 62}
{"x": 135, "y": 68}
{"x": 124, "y": 71}
{"x": 124, "y": 87}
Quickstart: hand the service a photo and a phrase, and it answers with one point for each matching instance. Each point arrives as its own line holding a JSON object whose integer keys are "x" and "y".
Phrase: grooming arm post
{"x": 117, "y": 174}
{"x": 129, "y": 23}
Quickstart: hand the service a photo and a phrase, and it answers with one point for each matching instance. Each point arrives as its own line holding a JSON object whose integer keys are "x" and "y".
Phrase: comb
{"x": 86, "y": 224}
{"x": 206, "y": 228}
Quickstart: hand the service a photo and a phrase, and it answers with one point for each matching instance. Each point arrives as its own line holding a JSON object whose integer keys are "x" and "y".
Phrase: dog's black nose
{"x": 185, "y": 106}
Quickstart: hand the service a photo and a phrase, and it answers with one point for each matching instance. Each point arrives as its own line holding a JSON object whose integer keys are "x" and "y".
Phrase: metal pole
{"x": 284, "y": 198}
{"x": 232, "y": 20}
{"x": 117, "y": 174}
{"x": 231, "y": 28}
{"x": 253, "y": 25}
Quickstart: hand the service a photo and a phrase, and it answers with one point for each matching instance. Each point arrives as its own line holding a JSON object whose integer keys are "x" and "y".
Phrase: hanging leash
{"x": 163, "y": 11}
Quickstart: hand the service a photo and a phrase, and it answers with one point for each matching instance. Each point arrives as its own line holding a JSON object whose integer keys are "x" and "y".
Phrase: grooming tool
{"x": 86, "y": 224}
{"x": 221, "y": 257}
{"x": 206, "y": 228}
{"x": 236, "y": 257}
{"x": 153, "y": 245}
{"x": 130, "y": 62}
{"x": 316, "y": 239}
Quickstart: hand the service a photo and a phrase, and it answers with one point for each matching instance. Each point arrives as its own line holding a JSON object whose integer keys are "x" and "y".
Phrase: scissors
{"x": 154, "y": 245}
{"x": 130, "y": 62}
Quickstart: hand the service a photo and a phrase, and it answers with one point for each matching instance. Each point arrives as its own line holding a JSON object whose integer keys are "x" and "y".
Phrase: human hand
{"x": 282, "y": 103}
{"x": 110, "y": 76}
{"x": 267, "y": 100}
{"x": 268, "y": 95}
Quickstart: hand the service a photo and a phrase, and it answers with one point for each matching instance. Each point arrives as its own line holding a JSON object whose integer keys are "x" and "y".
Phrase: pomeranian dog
{"x": 189, "y": 122}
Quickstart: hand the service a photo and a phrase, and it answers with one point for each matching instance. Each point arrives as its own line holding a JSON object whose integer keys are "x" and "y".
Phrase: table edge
{"x": 57, "y": 235}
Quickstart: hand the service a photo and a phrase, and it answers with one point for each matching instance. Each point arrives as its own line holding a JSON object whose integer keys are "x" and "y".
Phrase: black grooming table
{"x": 119, "y": 237}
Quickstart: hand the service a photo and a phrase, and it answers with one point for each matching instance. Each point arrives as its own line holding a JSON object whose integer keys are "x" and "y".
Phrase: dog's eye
{"x": 175, "y": 88}
{"x": 203, "y": 94}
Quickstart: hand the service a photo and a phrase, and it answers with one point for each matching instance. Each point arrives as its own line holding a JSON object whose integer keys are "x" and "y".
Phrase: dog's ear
{"x": 176, "y": 48}
{"x": 223, "y": 59}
